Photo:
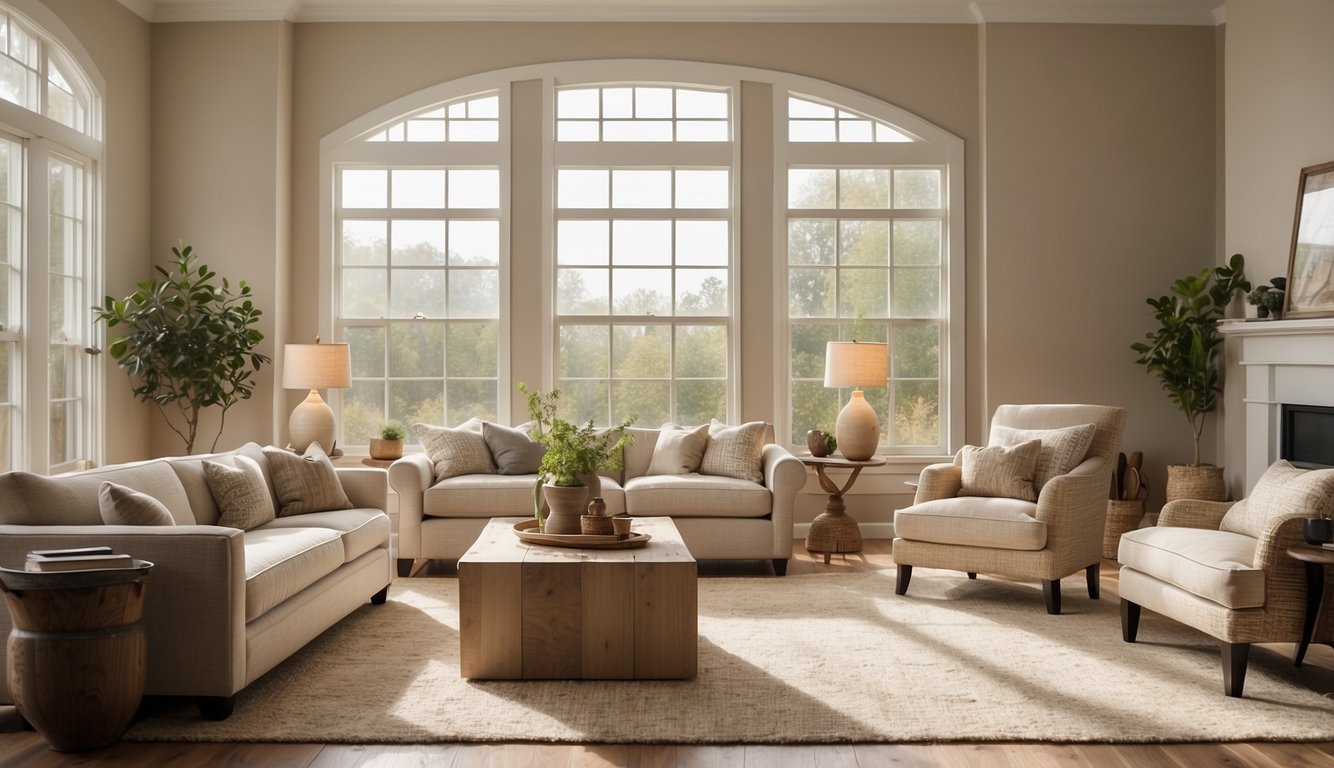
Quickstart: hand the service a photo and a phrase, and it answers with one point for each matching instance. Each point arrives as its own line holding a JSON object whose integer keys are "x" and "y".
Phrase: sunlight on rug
{"x": 802, "y": 659}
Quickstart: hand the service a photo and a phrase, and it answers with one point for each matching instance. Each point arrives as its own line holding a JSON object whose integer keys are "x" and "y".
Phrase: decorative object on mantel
{"x": 1311, "y": 260}
{"x": 857, "y": 364}
{"x": 188, "y": 343}
{"x": 1268, "y": 299}
{"x": 567, "y": 477}
{"x": 389, "y": 445}
{"x": 1183, "y": 353}
{"x": 1125, "y": 504}
{"x": 821, "y": 443}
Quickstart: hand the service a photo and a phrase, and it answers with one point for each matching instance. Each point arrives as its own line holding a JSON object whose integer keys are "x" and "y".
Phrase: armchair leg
{"x": 1091, "y": 575}
{"x": 216, "y": 707}
{"x": 405, "y": 567}
{"x": 780, "y": 566}
{"x": 380, "y": 597}
{"x": 1129, "y": 620}
{"x": 1235, "y": 656}
{"x": 905, "y": 575}
{"x": 972, "y": 575}
{"x": 1051, "y": 594}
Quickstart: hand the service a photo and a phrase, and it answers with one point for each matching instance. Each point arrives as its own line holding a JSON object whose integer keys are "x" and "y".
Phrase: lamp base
{"x": 312, "y": 422}
{"x": 857, "y": 429}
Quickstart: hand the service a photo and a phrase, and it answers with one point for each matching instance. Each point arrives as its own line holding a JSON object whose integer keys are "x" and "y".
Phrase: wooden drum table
{"x": 833, "y": 531}
{"x": 540, "y": 612}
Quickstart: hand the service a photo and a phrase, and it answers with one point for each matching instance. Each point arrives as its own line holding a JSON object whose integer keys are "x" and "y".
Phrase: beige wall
{"x": 1280, "y": 118}
{"x": 118, "y": 43}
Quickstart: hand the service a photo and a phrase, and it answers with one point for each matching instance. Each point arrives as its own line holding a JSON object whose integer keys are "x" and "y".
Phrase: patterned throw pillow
{"x": 734, "y": 451}
{"x": 1000, "y": 471}
{"x": 512, "y": 450}
{"x": 119, "y": 505}
{"x": 1283, "y": 490}
{"x": 679, "y": 451}
{"x": 240, "y": 492}
{"x": 306, "y": 483}
{"x": 455, "y": 451}
{"x": 1062, "y": 449}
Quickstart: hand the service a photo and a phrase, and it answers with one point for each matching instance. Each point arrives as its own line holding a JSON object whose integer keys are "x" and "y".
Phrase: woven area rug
{"x": 818, "y": 658}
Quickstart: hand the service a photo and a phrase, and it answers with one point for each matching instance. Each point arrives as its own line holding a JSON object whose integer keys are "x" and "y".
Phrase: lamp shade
{"x": 856, "y": 364}
{"x": 316, "y": 366}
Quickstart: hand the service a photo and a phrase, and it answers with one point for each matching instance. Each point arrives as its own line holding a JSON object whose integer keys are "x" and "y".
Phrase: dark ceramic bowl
{"x": 1318, "y": 530}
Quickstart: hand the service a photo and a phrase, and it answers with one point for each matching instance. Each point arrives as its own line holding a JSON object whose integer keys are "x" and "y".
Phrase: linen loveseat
{"x": 223, "y": 605}
{"x": 744, "y": 514}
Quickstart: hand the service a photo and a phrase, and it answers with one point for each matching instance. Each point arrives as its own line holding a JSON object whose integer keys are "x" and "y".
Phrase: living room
{"x": 1107, "y": 149}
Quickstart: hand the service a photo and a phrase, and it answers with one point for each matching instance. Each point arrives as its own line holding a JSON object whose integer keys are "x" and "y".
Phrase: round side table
{"x": 833, "y": 531}
{"x": 1315, "y": 559}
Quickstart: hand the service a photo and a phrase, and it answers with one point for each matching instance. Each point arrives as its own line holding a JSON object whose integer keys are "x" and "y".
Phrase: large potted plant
{"x": 188, "y": 342}
{"x": 575, "y": 454}
{"x": 1183, "y": 353}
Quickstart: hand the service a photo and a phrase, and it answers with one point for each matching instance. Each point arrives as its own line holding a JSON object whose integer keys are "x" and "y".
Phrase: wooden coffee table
{"x": 534, "y": 612}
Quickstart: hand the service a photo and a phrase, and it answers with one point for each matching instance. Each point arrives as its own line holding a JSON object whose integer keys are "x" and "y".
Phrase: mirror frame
{"x": 1298, "y": 300}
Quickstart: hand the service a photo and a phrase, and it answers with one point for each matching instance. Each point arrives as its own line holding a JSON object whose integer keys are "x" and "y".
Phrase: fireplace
{"x": 1306, "y": 435}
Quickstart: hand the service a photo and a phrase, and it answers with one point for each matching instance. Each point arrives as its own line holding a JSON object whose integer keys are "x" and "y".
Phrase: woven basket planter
{"x": 1190, "y": 481}
{"x": 1122, "y": 516}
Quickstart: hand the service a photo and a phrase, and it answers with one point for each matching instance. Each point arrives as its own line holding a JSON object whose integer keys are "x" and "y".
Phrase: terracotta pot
{"x": 386, "y": 450}
{"x": 565, "y": 508}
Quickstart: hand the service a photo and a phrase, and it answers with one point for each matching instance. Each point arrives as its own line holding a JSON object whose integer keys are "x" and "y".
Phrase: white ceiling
{"x": 1193, "y": 12}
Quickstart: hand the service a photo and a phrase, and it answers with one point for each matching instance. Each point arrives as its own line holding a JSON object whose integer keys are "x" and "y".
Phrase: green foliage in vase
{"x": 188, "y": 342}
{"x": 1183, "y": 351}
{"x": 830, "y": 443}
{"x": 573, "y": 451}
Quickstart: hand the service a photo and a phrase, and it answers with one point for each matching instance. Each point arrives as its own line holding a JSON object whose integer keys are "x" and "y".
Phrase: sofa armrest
{"x": 194, "y": 604}
{"x": 410, "y": 476}
{"x": 365, "y": 487}
{"x": 784, "y": 476}
{"x": 1074, "y": 508}
{"x": 1194, "y": 513}
{"x": 938, "y": 481}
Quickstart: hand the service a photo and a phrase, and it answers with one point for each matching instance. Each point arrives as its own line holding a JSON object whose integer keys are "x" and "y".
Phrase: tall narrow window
{"x": 643, "y": 253}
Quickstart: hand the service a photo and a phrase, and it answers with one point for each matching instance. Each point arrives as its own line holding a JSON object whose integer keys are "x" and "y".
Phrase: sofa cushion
{"x": 1216, "y": 565}
{"x": 734, "y": 451}
{"x": 1062, "y": 449}
{"x": 513, "y": 452}
{"x": 1000, "y": 471}
{"x": 696, "y": 495}
{"x": 997, "y": 523}
{"x": 678, "y": 450}
{"x": 305, "y": 483}
{"x": 362, "y": 530}
{"x": 1282, "y": 491}
{"x": 455, "y": 451}
{"x": 71, "y": 499}
{"x": 119, "y": 505}
{"x": 280, "y": 562}
{"x": 474, "y": 496}
{"x": 240, "y": 493}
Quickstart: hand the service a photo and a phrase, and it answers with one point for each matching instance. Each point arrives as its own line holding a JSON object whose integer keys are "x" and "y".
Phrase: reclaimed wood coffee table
{"x": 535, "y": 612}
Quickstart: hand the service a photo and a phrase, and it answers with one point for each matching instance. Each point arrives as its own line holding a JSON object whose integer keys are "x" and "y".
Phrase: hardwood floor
{"x": 25, "y": 748}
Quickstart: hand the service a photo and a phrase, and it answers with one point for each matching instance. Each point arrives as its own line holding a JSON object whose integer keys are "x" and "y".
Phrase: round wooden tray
{"x": 527, "y": 532}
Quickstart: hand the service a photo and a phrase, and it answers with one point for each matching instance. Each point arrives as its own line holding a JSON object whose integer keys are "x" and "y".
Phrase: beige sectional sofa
{"x": 720, "y": 518}
{"x": 223, "y": 606}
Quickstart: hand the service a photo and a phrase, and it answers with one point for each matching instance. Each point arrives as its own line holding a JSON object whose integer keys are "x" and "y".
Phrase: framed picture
{"x": 1311, "y": 262}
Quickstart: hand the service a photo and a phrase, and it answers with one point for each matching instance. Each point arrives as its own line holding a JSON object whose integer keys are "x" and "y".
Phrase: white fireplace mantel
{"x": 1283, "y": 361}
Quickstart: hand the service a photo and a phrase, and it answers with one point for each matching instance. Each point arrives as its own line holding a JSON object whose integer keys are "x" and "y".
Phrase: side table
{"x": 1315, "y": 559}
{"x": 833, "y": 531}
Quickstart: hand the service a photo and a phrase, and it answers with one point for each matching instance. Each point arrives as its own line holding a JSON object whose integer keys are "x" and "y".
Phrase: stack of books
{"x": 79, "y": 559}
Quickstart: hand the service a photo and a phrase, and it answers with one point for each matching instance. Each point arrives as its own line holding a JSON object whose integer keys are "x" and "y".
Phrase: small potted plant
{"x": 389, "y": 445}
{"x": 575, "y": 455}
{"x": 1268, "y": 299}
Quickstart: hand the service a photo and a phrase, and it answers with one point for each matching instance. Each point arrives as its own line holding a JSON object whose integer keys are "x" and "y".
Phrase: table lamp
{"x": 856, "y": 364}
{"x": 314, "y": 366}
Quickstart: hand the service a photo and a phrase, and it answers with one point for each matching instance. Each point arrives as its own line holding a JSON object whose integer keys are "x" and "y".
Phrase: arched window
{"x": 50, "y": 154}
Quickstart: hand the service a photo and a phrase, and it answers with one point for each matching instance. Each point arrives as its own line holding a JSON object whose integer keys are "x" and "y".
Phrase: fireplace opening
{"x": 1306, "y": 435}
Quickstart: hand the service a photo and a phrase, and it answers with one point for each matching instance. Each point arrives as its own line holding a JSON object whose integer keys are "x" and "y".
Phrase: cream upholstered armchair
{"x": 1223, "y": 567}
{"x": 1029, "y": 505}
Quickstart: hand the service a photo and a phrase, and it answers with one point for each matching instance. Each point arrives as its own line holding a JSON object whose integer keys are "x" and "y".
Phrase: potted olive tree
{"x": 188, "y": 342}
{"x": 1183, "y": 353}
{"x": 575, "y": 454}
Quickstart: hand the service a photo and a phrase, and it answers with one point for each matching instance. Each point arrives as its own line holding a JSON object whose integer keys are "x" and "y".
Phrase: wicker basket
{"x": 1195, "y": 481}
{"x": 1122, "y": 516}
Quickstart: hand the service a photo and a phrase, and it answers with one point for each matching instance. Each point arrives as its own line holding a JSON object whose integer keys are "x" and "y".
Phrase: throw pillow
{"x": 679, "y": 451}
{"x": 734, "y": 451}
{"x": 1062, "y": 449}
{"x": 240, "y": 492}
{"x": 1282, "y": 491}
{"x": 306, "y": 483}
{"x": 119, "y": 505}
{"x": 1000, "y": 471}
{"x": 455, "y": 451}
{"x": 513, "y": 452}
